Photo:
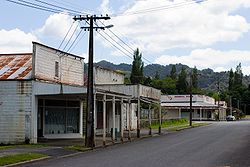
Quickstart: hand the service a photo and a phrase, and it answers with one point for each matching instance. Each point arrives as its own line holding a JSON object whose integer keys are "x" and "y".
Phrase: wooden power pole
{"x": 89, "y": 133}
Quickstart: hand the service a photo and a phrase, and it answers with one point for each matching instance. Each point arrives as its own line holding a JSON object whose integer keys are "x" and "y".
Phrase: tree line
{"x": 236, "y": 95}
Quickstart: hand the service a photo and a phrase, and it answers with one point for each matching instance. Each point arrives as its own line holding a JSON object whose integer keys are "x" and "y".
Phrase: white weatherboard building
{"x": 43, "y": 95}
{"x": 204, "y": 107}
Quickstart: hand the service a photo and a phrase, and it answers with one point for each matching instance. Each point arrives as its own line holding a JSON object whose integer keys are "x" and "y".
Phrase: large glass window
{"x": 61, "y": 116}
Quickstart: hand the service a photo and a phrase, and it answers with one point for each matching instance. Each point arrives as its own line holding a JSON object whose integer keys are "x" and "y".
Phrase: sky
{"x": 211, "y": 34}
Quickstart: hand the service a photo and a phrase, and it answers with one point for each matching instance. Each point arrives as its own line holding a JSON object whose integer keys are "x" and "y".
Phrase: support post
{"x": 200, "y": 114}
{"x": 95, "y": 118}
{"x": 81, "y": 117}
{"x": 113, "y": 119}
{"x": 179, "y": 113}
{"x": 138, "y": 117}
{"x": 160, "y": 118}
{"x": 121, "y": 128}
{"x": 150, "y": 119}
{"x": 129, "y": 120}
{"x": 104, "y": 120}
{"x": 191, "y": 102}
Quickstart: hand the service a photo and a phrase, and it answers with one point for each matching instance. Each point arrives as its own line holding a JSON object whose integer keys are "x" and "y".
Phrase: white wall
{"x": 71, "y": 69}
{"x": 15, "y": 111}
{"x": 170, "y": 114}
{"x": 105, "y": 76}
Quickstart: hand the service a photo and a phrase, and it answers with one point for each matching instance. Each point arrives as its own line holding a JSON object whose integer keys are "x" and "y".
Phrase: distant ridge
{"x": 207, "y": 80}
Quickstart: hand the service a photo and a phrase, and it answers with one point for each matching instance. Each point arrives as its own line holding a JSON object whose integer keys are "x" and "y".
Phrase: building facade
{"x": 204, "y": 107}
{"x": 43, "y": 95}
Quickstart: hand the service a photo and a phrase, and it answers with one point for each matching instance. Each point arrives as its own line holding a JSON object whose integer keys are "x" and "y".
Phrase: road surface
{"x": 216, "y": 145}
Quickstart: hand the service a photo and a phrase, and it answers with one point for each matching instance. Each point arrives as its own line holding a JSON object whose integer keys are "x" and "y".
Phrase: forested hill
{"x": 207, "y": 79}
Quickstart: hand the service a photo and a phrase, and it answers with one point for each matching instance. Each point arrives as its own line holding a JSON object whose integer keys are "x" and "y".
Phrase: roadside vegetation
{"x": 8, "y": 146}
{"x": 77, "y": 148}
{"x": 12, "y": 159}
{"x": 176, "y": 124}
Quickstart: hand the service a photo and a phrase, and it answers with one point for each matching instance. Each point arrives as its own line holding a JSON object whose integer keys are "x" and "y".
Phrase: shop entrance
{"x": 58, "y": 117}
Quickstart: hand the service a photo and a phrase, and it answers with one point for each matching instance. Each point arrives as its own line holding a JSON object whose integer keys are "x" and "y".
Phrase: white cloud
{"x": 210, "y": 58}
{"x": 196, "y": 25}
{"x": 104, "y": 7}
{"x": 16, "y": 41}
{"x": 57, "y": 26}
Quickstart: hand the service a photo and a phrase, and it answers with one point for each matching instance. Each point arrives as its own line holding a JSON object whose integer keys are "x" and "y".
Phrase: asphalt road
{"x": 220, "y": 144}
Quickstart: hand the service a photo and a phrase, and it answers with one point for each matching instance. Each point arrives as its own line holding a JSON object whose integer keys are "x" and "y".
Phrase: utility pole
{"x": 191, "y": 100}
{"x": 231, "y": 109}
{"x": 89, "y": 133}
{"x": 218, "y": 99}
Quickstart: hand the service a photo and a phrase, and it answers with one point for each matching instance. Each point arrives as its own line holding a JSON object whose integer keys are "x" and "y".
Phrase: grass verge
{"x": 247, "y": 116}
{"x": 77, "y": 148}
{"x": 12, "y": 159}
{"x": 170, "y": 123}
{"x": 182, "y": 127}
{"x": 22, "y": 146}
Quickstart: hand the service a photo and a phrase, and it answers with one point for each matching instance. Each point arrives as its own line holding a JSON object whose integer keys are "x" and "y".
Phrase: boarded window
{"x": 56, "y": 69}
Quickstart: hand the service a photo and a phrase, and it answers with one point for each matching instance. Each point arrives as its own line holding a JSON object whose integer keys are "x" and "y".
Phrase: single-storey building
{"x": 43, "y": 95}
{"x": 204, "y": 107}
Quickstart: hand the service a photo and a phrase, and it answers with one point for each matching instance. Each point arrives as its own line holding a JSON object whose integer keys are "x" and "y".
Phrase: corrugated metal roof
{"x": 15, "y": 66}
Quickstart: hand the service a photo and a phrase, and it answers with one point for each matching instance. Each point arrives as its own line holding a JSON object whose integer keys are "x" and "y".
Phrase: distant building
{"x": 204, "y": 107}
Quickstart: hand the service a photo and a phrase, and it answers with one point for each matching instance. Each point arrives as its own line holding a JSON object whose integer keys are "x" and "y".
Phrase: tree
{"x": 238, "y": 76}
{"x": 231, "y": 80}
{"x": 194, "y": 78}
{"x": 173, "y": 73}
{"x": 147, "y": 81}
{"x": 182, "y": 85}
{"x": 168, "y": 86}
{"x": 137, "y": 68}
{"x": 157, "y": 75}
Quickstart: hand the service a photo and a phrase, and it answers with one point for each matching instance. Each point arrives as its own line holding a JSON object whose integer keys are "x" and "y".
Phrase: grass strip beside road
{"x": 22, "y": 146}
{"x": 170, "y": 123}
{"x": 16, "y": 158}
{"x": 77, "y": 148}
{"x": 182, "y": 127}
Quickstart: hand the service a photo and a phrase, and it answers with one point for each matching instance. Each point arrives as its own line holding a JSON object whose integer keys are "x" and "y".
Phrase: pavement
{"x": 55, "y": 148}
{"x": 217, "y": 145}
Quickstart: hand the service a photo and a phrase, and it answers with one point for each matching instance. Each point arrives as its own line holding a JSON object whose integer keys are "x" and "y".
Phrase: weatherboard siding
{"x": 15, "y": 111}
{"x": 70, "y": 68}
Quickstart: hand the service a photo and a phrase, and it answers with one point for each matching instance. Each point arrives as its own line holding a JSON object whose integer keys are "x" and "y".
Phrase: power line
{"x": 79, "y": 39}
{"x": 31, "y": 6}
{"x": 70, "y": 37}
{"x": 66, "y": 35}
{"x": 72, "y": 5}
{"x": 45, "y": 8}
{"x": 159, "y": 8}
{"x": 124, "y": 43}
{"x": 43, "y": 2}
{"x": 115, "y": 46}
{"x": 75, "y": 40}
{"x": 37, "y": 5}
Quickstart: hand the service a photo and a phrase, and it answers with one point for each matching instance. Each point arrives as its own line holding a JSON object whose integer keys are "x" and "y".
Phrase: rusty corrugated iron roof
{"x": 15, "y": 66}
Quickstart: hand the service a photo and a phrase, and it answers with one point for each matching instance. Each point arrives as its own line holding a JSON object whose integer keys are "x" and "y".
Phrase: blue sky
{"x": 214, "y": 34}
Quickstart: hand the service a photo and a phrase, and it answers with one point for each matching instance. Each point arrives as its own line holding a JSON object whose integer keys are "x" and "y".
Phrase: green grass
{"x": 247, "y": 116}
{"x": 176, "y": 124}
{"x": 12, "y": 159}
{"x": 22, "y": 146}
{"x": 170, "y": 123}
{"x": 77, "y": 148}
{"x": 182, "y": 127}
